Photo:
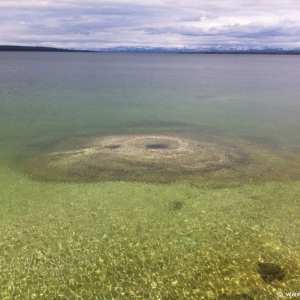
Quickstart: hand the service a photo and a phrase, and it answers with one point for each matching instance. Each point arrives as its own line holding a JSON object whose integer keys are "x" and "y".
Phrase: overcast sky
{"x": 166, "y": 23}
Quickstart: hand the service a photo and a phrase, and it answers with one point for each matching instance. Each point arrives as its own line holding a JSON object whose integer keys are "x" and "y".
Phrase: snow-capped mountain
{"x": 204, "y": 49}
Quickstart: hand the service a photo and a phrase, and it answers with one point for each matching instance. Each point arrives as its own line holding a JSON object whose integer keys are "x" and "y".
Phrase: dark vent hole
{"x": 112, "y": 147}
{"x": 157, "y": 146}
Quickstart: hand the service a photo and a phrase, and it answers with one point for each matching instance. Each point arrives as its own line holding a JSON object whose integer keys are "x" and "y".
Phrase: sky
{"x": 93, "y": 24}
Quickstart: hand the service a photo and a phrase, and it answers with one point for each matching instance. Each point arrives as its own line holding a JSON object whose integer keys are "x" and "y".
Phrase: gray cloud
{"x": 252, "y": 30}
{"x": 70, "y": 23}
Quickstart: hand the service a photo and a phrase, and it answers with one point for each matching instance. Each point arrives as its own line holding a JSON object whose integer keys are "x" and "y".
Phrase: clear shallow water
{"x": 132, "y": 240}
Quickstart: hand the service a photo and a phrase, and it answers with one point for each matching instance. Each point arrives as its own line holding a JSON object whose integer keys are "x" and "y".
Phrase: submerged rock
{"x": 143, "y": 158}
{"x": 270, "y": 272}
{"x": 175, "y": 205}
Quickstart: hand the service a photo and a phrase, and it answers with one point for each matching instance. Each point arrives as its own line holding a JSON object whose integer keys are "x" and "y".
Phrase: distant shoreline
{"x": 38, "y": 49}
{"x": 12, "y": 48}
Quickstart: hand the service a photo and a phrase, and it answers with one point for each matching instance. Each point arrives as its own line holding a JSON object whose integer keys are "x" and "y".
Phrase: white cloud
{"x": 73, "y": 23}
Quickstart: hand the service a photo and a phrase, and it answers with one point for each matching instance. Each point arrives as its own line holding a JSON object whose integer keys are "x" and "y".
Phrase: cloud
{"x": 251, "y": 30}
{"x": 73, "y": 23}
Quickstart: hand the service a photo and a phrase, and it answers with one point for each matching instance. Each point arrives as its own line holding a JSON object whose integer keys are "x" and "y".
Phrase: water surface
{"x": 119, "y": 239}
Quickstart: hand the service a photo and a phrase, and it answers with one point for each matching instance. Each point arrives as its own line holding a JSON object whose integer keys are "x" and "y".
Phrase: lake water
{"x": 231, "y": 230}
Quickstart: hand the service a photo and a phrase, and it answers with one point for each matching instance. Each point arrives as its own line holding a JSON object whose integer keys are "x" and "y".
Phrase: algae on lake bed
{"x": 121, "y": 241}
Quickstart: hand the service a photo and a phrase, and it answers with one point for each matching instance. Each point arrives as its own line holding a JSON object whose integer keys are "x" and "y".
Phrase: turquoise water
{"x": 190, "y": 239}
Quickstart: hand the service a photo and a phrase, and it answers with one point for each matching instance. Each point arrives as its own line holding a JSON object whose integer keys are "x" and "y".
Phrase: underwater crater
{"x": 142, "y": 158}
{"x": 213, "y": 161}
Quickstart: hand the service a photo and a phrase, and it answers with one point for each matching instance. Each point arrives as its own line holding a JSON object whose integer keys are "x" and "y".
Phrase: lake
{"x": 149, "y": 176}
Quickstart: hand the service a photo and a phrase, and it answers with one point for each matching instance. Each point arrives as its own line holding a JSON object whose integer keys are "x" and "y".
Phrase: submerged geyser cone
{"x": 145, "y": 158}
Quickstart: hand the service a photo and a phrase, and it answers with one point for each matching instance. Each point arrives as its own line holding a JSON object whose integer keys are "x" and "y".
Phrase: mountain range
{"x": 219, "y": 49}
